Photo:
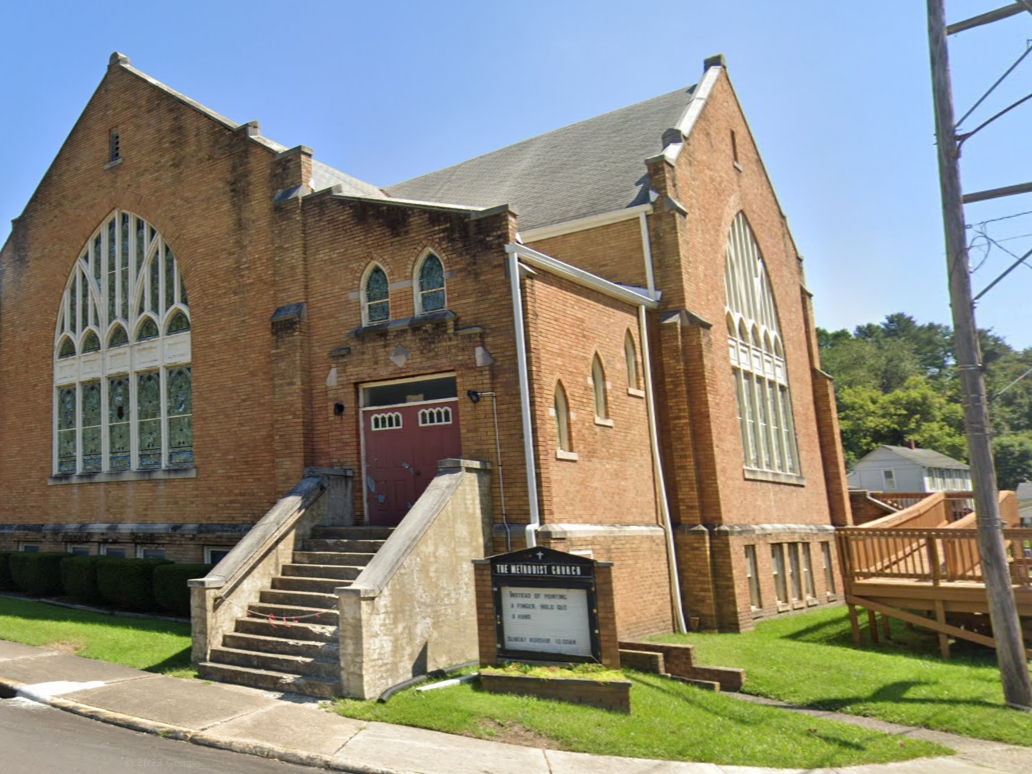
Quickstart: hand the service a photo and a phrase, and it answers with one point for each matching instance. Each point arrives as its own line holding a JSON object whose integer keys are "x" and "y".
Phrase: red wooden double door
{"x": 403, "y": 443}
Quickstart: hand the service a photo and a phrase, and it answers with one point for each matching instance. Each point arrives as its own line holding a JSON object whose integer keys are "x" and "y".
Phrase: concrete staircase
{"x": 266, "y": 651}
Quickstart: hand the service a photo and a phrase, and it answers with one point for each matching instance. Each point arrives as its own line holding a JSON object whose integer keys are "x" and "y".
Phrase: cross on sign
{"x": 540, "y": 555}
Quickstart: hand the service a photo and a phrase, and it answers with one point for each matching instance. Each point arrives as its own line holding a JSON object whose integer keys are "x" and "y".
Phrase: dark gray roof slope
{"x": 325, "y": 176}
{"x": 928, "y": 458}
{"x": 587, "y": 168}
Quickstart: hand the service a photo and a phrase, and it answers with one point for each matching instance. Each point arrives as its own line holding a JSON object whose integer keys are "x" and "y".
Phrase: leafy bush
{"x": 79, "y": 578}
{"x": 170, "y": 589}
{"x": 6, "y": 582}
{"x": 128, "y": 584}
{"x": 37, "y": 574}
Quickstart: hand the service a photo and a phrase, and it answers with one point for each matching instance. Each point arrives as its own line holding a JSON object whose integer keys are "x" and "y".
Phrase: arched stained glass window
{"x": 118, "y": 337}
{"x": 430, "y": 295}
{"x": 119, "y": 406}
{"x": 762, "y": 395}
{"x": 377, "y": 299}
{"x": 148, "y": 330}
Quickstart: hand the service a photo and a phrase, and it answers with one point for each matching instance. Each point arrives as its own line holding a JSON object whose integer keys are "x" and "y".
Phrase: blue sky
{"x": 838, "y": 98}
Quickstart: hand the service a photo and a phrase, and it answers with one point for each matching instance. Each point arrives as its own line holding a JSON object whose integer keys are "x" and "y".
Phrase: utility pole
{"x": 1010, "y": 647}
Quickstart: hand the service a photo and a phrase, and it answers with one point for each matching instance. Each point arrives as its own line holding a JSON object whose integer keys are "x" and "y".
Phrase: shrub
{"x": 128, "y": 584}
{"x": 170, "y": 589}
{"x": 79, "y": 578}
{"x": 37, "y": 574}
{"x": 6, "y": 582}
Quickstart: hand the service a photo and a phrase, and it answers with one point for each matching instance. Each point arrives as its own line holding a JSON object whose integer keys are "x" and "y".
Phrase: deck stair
{"x": 289, "y": 640}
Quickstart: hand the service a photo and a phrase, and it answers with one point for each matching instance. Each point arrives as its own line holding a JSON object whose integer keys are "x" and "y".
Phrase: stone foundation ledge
{"x": 613, "y": 696}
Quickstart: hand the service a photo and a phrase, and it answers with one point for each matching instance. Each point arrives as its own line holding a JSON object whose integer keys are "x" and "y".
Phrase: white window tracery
{"x": 435, "y": 416}
{"x": 122, "y": 374}
{"x": 762, "y": 395}
{"x": 389, "y": 421}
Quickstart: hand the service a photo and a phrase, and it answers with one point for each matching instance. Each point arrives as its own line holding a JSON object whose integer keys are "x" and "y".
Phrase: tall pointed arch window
{"x": 430, "y": 285}
{"x": 562, "y": 419}
{"x": 762, "y": 394}
{"x": 598, "y": 384}
{"x": 122, "y": 375}
{"x": 631, "y": 356}
{"x": 376, "y": 298}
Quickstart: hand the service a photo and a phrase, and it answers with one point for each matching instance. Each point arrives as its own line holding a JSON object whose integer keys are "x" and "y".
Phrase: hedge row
{"x": 143, "y": 585}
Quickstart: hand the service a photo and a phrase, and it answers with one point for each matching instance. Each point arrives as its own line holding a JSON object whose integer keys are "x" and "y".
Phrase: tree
{"x": 1013, "y": 455}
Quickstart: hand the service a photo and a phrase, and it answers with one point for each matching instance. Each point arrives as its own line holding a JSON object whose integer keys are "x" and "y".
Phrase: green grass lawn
{"x": 810, "y": 660}
{"x": 668, "y": 720}
{"x": 154, "y": 646}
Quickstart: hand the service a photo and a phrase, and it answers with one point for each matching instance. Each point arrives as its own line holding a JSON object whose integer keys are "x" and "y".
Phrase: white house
{"x": 901, "y": 469}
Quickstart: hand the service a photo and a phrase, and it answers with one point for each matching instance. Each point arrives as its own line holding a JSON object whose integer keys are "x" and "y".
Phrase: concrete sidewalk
{"x": 297, "y": 731}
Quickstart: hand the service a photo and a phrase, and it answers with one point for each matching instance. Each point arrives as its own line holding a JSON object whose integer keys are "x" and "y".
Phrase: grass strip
{"x": 669, "y": 720}
{"x": 810, "y": 660}
{"x": 153, "y": 646}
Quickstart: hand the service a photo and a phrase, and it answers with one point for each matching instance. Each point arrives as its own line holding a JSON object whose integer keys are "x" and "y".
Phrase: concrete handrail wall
{"x": 224, "y": 594}
{"x": 413, "y": 607}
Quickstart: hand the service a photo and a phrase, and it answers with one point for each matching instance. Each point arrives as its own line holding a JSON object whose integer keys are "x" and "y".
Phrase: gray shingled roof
{"x": 928, "y": 458}
{"x": 589, "y": 168}
{"x": 325, "y": 176}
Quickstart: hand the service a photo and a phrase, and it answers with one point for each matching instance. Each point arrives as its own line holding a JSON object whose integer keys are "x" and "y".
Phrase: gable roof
{"x": 588, "y": 168}
{"x": 926, "y": 458}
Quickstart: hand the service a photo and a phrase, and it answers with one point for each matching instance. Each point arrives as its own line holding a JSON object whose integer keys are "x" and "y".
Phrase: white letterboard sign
{"x": 545, "y": 620}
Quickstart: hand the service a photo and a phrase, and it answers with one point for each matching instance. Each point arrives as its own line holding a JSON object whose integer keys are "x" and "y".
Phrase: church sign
{"x": 545, "y": 606}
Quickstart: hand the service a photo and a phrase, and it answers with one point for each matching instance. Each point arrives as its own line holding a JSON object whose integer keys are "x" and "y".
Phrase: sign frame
{"x": 551, "y": 568}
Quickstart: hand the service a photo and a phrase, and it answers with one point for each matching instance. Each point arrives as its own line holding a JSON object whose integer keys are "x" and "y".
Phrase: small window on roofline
{"x": 114, "y": 145}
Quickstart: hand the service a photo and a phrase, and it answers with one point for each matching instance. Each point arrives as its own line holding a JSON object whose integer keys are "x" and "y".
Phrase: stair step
{"x": 269, "y": 680}
{"x": 338, "y": 545}
{"x": 351, "y": 559}
{"x": 353, "y": 533}
{"x": 322, "y": 601}
{"x": 323, "y": 632}
{"x": 314, "y": 585}
{"x": 327, "y": 651}
{"x": 304, "y": 615}
{"x": 276, "y": 662}
{"x": 344, "y": 572}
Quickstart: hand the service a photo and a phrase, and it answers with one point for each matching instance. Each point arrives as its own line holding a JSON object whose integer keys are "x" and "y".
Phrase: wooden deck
{"x": 922, "y": 565}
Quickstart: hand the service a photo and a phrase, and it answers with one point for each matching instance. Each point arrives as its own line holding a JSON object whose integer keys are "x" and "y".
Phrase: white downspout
{"x": 528, "y": 432}
{"x": 657, "y": 466}
{"x": 646, "y": 248}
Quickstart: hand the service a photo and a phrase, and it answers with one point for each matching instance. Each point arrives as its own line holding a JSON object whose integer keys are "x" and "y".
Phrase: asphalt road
{"x": 36, "y": 739}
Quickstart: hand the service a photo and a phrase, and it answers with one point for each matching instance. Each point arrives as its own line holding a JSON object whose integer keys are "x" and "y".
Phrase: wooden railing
{"x": 957, "y": 505}
{"x": 929, "y": 555}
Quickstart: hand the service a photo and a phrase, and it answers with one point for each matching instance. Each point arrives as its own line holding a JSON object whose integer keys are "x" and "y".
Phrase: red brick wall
{"x": 690, "y": 258}
{"x": 613, "y": 251}
{"x": 208, "y": 190}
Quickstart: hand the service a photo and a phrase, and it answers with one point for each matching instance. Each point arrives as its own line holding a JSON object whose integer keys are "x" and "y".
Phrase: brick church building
{"x": 192, "y": 316}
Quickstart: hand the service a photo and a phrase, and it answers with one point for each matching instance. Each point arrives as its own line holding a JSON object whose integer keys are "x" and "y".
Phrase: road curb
{"x": 10, "y": 689}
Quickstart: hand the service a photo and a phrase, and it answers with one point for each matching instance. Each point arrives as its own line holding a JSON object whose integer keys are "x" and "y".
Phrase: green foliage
{"x": 596, "y": 672}
{"x": 1013, "y": 455}
{"x": 155, "y": 646}
{"x": 895, "y": 384}
{"x": 170, "y": 589}
{"x": 6, "y": 581}
{"x": 79, "y": 578}
{"x": 668, "y": 720}
{"x": 37, "y": 574}
{"x": 128, "y": 584}
{"x": 915, "y": 412}
{"x": 810, "y": 660}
